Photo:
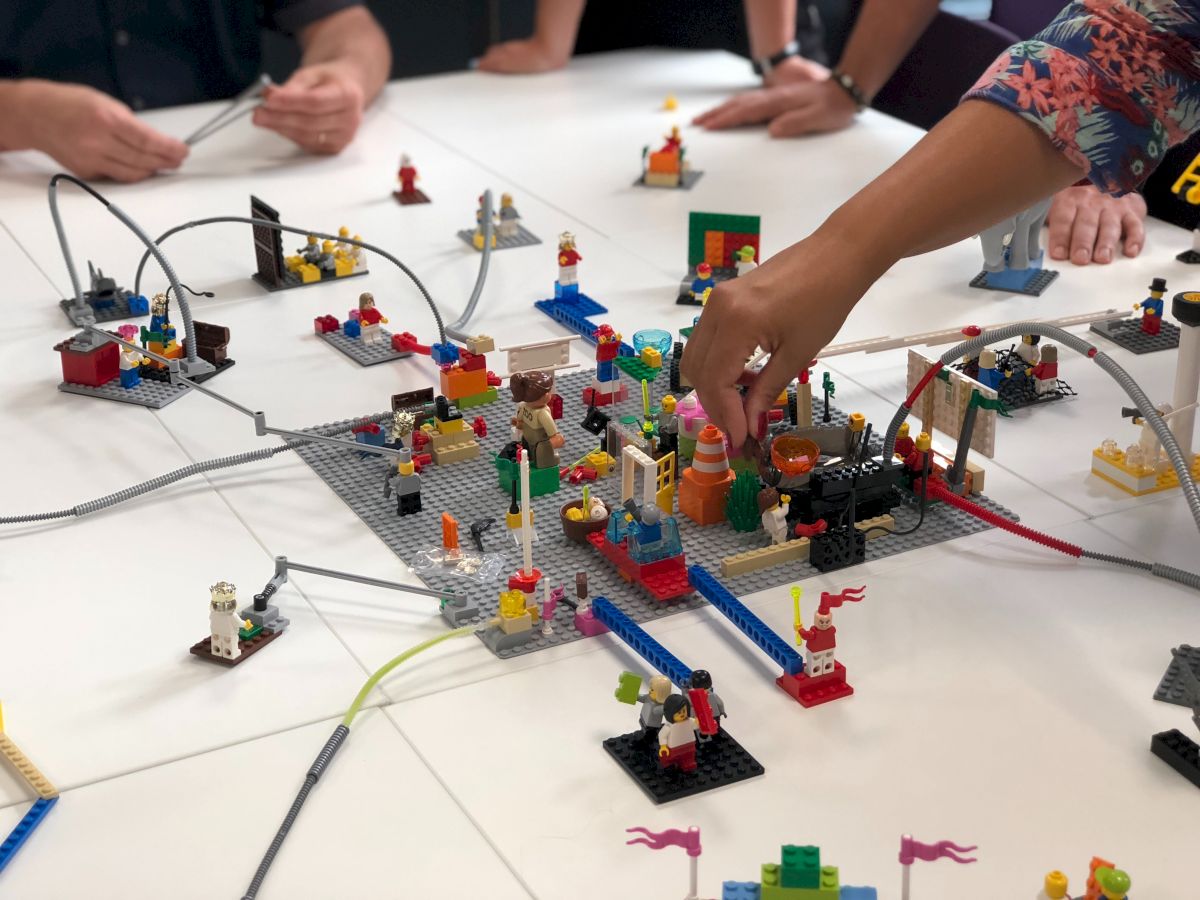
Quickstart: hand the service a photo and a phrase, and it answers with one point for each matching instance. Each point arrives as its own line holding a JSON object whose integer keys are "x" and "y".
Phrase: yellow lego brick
{"x": 661, "y": 179}
{"x": 342, "y": 266}
{"x": 790, "y": 551}
{"x": 26, "y": 769}
{"x": 450, "y": 427}
{"x": 1136, "y": 480}
{"x": 857, "y": 422}
{"x": 602, "y": 462}
{"x": 481, "y": 343}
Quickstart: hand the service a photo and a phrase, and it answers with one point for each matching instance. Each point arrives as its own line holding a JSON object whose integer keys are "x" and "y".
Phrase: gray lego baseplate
{"x": 1171, "y": 688}
{"x": 151, "y": 393}
{"x": 689, "y": 178}
{"x": 365, "y": 354}
{"x": 470, "y": 490}
{"x": 1128, "y": 333}
{"x": 523, "y": 238}
{"x": 117, "y": 312}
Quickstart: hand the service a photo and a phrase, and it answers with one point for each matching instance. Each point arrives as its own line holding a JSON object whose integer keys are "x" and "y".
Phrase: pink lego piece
{"x": 912, "y": 850}
{"x": 657, "y": 840}
{"x": 588, "y": 625}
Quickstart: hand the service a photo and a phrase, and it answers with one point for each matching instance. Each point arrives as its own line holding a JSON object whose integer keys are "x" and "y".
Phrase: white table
{"x": 1003, "y": 692}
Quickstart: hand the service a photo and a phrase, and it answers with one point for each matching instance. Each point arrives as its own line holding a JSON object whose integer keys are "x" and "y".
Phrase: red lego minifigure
{"x": 821, "y": 639}
{"x": 407, "y": 175}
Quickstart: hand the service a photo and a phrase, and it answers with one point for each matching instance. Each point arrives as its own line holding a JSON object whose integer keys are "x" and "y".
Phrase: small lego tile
{"x": 740, "y": 890}
{"x": 1179, "y": 752}
{"x": 687, "y": 179}
{"x": 120, "y": 311}
{"x": 1030, "y": 282}
{"x": 810, "y": 692}
{"x": 846, "y": 892}
{"x": 20, "y": 834}
{"x": 636, "y": 369}
{"x": 523, "y": 238}
{"x": 410, "y": 198}
{"x": 1127, "y": 333}
{"x": 1171, "y": 688}
{"x": 720, "y": 761}
{"x": 364, "y": 354}
{"x": 291, "y": 280}
{"x": 25, "y": 768}
{"x": 249, "y": 647}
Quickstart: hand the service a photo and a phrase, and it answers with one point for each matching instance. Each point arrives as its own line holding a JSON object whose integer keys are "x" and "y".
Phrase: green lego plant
{"x": 741, "y": 509}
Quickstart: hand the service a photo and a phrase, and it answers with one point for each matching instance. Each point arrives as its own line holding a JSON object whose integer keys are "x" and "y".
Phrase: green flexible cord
{"x": 388, "y": 666}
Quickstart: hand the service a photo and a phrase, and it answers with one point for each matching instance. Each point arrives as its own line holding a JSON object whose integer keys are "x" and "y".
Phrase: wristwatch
{"x": 850, "y": 86}
{"x": 763, "y": 66}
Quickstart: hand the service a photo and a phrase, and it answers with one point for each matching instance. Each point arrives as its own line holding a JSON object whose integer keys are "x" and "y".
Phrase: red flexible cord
{"x": 940, "y": 492}
{"x": 928, "y": 377}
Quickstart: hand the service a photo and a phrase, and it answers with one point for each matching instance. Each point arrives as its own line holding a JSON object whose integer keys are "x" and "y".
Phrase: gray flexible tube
{"x": 455, "y": 328}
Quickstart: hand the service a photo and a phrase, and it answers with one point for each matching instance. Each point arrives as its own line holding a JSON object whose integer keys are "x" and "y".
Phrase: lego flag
{"x": 689, "y": 840}
{"x": 911, "y": 850}
{"x": 983, "y": 402}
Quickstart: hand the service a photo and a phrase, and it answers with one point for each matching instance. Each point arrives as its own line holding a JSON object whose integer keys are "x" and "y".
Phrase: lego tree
{"x": 741, "y": 509}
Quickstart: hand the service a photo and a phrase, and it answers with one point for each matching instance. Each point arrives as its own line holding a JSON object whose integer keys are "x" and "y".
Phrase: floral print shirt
{"x": 1112, "y": 83}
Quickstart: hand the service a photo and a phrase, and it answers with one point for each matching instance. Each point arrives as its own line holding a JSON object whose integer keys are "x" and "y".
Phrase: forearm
{"x": 771, "y": 25}
{"x": 15, "y": 124}
{"x": 884, "y": 33}
{"x": 557, "y": 24}
{"x": 353, "y": 39}
{"x": 978, "y": 166}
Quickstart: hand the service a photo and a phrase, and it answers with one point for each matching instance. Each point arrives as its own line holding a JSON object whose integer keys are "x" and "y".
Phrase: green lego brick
{"x": 638, "y": 370}
{"x": 801, "y": 866}
{"x": 246, "y": 634}
{"x": 541, "y": 481}
{"x": 829, "y": 881}
{"x": 628, "y": 685}
{"x": 770, "y": 875}
{"x": 488, "y": 396}
{"x": 778, "y": 892}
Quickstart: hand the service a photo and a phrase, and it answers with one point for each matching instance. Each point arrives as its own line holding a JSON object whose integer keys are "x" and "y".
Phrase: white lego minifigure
{"x": 224, "y": 621}
{"x": 745, "y": 260}
{"x": 773, "y": 508}
{"x": 1149, "y": 449}
{"x": 358, "y": 254}
{"x": 1028, "y": 349}
{"x": 508, "y": 216}
{"x": 342, "y": 246}
{"x": 568, "y": 260}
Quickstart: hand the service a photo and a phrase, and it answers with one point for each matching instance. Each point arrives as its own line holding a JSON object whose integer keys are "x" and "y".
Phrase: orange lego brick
{"x": 714, "y": 248}
{"x": 666, "y": 161}
{"x": 457, "y": 383}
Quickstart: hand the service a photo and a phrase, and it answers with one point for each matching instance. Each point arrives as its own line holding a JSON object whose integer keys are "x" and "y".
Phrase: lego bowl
{"x": 578, "y": 531}
{"x": 652, "y": 337}
{"x": 794, "y": 455}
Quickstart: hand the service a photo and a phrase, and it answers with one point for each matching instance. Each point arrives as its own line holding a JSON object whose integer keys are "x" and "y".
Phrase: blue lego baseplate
{"x": 359, "y": 482}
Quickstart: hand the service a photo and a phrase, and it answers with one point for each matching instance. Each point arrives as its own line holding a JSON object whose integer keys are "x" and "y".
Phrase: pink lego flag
{"x": 911, "y": 850}
{"x": 689, "y": 840}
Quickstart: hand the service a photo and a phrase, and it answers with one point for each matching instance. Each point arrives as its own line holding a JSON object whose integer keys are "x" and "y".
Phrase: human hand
{"x": 795, "y": 69}
{"x": 522, "y": 58}
{"x": 1089, "y": 225}
{"x": 792, "y": 305}
{"x": 92, "y": 134}
{"x": 806, "y": 107}
{"x": 320, "y": 107}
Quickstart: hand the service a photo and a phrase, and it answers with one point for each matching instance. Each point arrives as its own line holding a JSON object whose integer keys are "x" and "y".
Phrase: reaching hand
{"x": 94, "y": 135}
{"x": 1090, "y": 224}
{"x": 522, "y": 58}
{"x": 320, "y": 108}
{"x": 805, "y": 107}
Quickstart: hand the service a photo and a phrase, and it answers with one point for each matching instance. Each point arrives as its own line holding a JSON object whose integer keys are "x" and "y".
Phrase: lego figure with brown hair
{"x": 773, "y": 508}
{"x": 539, "y": 434}
{"x": 369, "y": 318}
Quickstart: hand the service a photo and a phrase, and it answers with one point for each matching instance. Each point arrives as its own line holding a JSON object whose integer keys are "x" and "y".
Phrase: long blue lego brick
{"x": 752, "y": 626}
{"x": 24, "y": 829}
{"x": 857, "y": 893}
{"x": 574, "y": 315}
{"x": 660, "y": 658}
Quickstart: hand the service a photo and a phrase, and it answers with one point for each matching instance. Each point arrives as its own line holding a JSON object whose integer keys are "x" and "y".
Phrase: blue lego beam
{"x": 752, "y": 626}
{"x": 24, "y": 829}
{"x": 574, "y": 314}
{"x": 660, "y": 658}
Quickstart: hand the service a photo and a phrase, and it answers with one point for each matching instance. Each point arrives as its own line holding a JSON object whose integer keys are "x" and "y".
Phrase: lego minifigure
{"x": 568, "y": 261}
{"x": 311, "y": 251}
{"x": 1045, "y": 373}
{"x": 327, "y": 262}
{"x": 745, "y": 260}
{"x": 1028, "y": 349}
{"x": 224, "y": 621}
{"x": 646, "y": 525}
{"x": 539, "y": 434}
{"x": 131, "y": 360}
{"x": 407, "y": 175}
{"x": 509, "y": 217}
{"x": 673, "y": 141}
{"x": 1147, "y": 452}
{"x": 1152, "y": 307}
{"x": 988, "y": 375}
{"x": 677, "y": 737}
{"x": 651, "y": 715}
{"x": 369, "y": 319}
{"x": 402, "y": 428}
{"x": 905, "y": 444}
{"x": 821, "y": 639}
{"x": 359, "y": 255}
{"x": 477, "y": 238}
{"x": 668, "y": 427}
{"x": 405, "y": 483}
{"x": 702, "y": 283}
{"x": 702, "y": 680}
{"x": 773, "y": 508}
{"x": 341, "y": 246}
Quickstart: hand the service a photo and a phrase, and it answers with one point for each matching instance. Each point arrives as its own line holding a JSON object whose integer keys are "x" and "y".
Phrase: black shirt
{"x": 149, "y": 53}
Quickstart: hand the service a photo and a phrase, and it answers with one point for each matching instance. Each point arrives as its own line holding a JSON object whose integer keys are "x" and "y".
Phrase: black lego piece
{"x": 1179, "y": 752}
{"x": 719, "y": 761}
{"x": 1127, "y": 333}
{"x": 837, "y": 548}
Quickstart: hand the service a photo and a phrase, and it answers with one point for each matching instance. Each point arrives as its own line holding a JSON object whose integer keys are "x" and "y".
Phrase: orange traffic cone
{"x": 706, "y": 482}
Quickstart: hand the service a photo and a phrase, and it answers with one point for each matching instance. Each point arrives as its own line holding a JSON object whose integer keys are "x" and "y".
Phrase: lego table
{"x": 1000, "y": 689}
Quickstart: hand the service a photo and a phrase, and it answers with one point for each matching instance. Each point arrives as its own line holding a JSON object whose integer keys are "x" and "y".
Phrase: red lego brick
{"x": 406, "y": 342}
{"x": 809, "y": 692}
{"x": 494, "y": 380}
{"x": 526, "y": 584}
{"x": 479, "y": 426}
{"x": 367, "y": 427}
{"x": 472, "y": 362}
{"x": 663, "y": 580}
{"x": 419, "y": 440}
{"x": 325, "y": 324}
{"x": 93, "y": 368}
{"x": 422, "y": 459}
{"x": 556, "y": 406}
{"x": 582, "y": 473}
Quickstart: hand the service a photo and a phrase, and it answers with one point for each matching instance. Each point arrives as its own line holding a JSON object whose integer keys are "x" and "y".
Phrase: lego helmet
{"x": 746, "y": 254}
{"x": 343, "y": 232}
{"x": 327, "y": 246}
{"x": 704, "y": 270}
{"x": 1159, "y": 285}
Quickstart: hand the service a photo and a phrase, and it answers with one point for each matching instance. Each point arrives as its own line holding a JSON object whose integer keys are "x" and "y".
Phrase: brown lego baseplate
{"x": 249, "y": 648}
{"x": 408, "y": 198}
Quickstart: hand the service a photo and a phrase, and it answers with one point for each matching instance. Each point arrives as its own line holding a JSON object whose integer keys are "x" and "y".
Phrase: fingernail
{"x": 1103, "y": 255}
{"x": 1059, "y": 253}
{"x": 1133, "y": 249}
{"x": 1081, "y": 257}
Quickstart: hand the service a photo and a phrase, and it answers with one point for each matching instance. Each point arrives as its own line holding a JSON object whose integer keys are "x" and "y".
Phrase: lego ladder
{"x": 752, "y": 626}
{"x": 659, "y": 657}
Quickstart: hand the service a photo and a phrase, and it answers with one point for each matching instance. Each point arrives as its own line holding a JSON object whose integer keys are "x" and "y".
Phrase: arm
{"x": 86, "y": 131}
{"x": 885, "y": 32}
{"x": 345, "y": 64}
{"x": 549, "y": 48}
{"x": 771, "y": 25}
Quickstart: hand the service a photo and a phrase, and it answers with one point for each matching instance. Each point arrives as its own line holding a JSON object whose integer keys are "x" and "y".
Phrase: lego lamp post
{"x": 1185, "y": 307}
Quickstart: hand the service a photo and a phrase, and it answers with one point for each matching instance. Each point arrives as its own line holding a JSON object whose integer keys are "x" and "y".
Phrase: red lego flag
{"x": 656, "y": 840}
